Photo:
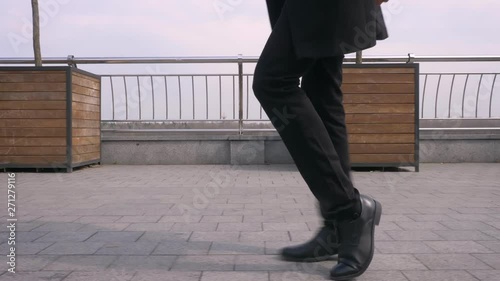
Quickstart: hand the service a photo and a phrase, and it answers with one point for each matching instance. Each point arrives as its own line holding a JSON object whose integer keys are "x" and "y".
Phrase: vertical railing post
{"x": 240, "y": 93}
{"x": 359, "y": 57}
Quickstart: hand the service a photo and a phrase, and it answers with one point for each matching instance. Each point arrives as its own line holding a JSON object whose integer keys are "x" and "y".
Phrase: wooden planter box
{"x": 381, "y": 103}
{"x": 50, "y": 117}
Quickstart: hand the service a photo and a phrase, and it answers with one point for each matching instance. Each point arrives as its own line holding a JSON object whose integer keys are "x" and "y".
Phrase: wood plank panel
{"x": 382, "y": 158}
{"x": 8, "y": 72}
{"x": 85, "y": 91}
{"x": 19, "y": 77}
{"x": 86, "y": 107}
{"x": 27, "y": 123}
{"x": 85, "y": 99}
{"x": 82, "y": 149}
{"x": 85, "y": 76}
{"x": 32, "y": 132}
{"x": 11, "y": 142}
{"x": 380, "y": 128}
{"x": 382, "y": 138}
{"x": 79, "y": 132}
{"x": 379, "y": 98}
{"x": 28, "y": 160}
{"x": 86, "y": 140}
{"x": 379, "y": 108}
{"x": 378, "y": 78}
{"x": 348, "y": 70}
{"x": 32, "y": 96}
{"x": 382, "y": 148}
{"x": 80, "y": 123}
{"x": 380, "y": 118}
{"x": 85, "y": 82}
{"x": 32, "y": 151}
{"x": 378, "y": 88}
{"x": 79, "y": 158}
{"x": 33, "y": 114}
{"x": 86, "y": 115}
{"x": 42, "y": 105}
{"x": 32, "y": 87}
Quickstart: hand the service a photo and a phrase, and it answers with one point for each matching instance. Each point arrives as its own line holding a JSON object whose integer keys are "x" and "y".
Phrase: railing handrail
{"x": 71, "y": 60}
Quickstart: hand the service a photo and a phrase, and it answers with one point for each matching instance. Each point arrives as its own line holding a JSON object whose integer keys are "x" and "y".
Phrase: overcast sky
{"x": 230, "y": 27}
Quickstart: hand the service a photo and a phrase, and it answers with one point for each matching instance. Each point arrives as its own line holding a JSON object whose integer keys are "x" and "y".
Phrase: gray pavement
{"x": 228, "y": 222}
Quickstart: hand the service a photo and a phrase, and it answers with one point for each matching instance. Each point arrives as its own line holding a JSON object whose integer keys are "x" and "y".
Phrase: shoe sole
{"x": 376, "y": 222}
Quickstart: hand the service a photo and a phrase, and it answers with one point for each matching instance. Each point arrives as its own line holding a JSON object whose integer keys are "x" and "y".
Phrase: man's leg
{"x": 276, "y": 86}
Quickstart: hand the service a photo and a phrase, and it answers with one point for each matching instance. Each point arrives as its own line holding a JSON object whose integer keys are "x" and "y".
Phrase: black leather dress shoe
{"x": 356, "y": 239}
{"x": 320, "y": 248}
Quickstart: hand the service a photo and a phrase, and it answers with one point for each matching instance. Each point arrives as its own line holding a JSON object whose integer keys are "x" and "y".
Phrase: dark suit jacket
{"x": 322, "y": 28}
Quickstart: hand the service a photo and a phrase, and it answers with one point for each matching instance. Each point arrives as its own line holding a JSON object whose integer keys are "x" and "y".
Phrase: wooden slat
{"x": 379, "y": 98}
{"x": 86, "y": 107}
{"x": 348, "y": 70}
{"x": 43, "y": 105}
{"x": 86, "y": 140}
{"x": 32, "y": 151}
{"x": 80, "y": 123}
{"x": 33, "y": 114}
{"x": 87, "y": 115}
{"x": 376, "y": 78}
{"x": 77, "y": 132}
{"x": 378, "y": 88}
{"x": 379, "y": 108}
{"x": 85, "y": 91}
{"x": 85, "y": 99}
{"x": 17, "y": 77}
{"x": 82, "y": 149}
{"x": 8, "y": 72}
{"x": 382, "y": 138}
{"x": 382, "y": 158}
{"x": 84, "y": 76}
{"x": 85, "y": 82}
{"x": 32, "y": 87}
{"x": 380, "y": 128}
{"x": 11, "y": 142}
{"x": 41, "y": 160}
{"x": 380, "y": 118}
{"x": 30, "y": 123}
{"x": 32, "y": 96}
{"x": 382, "y": 148}
{"x": 32, "y": 132}
{"x": 79, "y": 158}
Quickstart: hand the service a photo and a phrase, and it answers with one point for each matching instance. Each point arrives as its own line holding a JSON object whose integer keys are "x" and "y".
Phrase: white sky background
{"x": 170, "y": 28}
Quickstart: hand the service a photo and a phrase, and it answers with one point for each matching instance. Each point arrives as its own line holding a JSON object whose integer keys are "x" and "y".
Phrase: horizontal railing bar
{"x": 236, "y": 59}
{"x": 169, "y": 75}
{"x": 462, "y": 129}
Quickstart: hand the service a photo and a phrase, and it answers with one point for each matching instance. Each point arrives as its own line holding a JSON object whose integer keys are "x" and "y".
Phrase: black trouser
{"x": 310, "y": 119}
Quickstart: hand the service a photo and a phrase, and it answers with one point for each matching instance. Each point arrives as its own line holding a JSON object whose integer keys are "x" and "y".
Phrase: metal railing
{"x": 229, "y": 97}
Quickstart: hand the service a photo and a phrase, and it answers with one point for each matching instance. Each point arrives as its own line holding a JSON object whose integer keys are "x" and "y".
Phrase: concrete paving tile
{"x": 211, "y": 236}
{"x": 127, "y": 248}
{"x": 403, "y": 247}
{"x": 35, "y": 276}
{"x": 237, "y": 248}
{"x": 451, "y": 261}
{"x": 396, "y": 262}
{"x": 492, "y": 260}
{"x": 439, "y": 275}
{"x": 108, "y": 275}
{"x": 457, "y": 247}
{"x": 234, "y": 276}
{"x": 72, "y": 248}
{"x": 81, "y": 263}
{"x": 166, "y": 276}
{"x": 486, "y": 275}
{"x": 143, "y": 263}
{"x": 65, "y": 236}
{"x": 204, "y": 263}
{"x": 154, "y": 236}
{"x": 116, "y": 236}
{"x": 182, "y": 248}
